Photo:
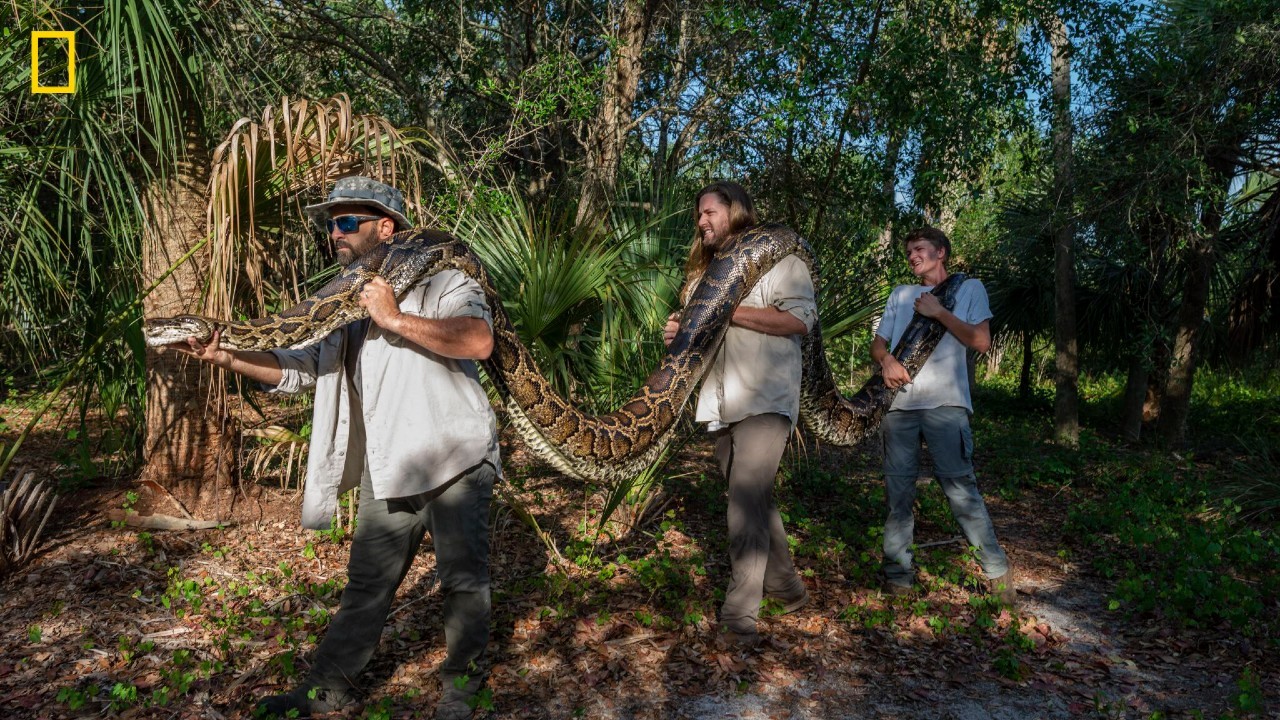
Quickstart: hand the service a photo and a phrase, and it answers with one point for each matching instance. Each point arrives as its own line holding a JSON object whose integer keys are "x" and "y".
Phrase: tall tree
{"x": 125, "y": 157}
{"x": 1192, "y": 100}
{"x": 605, "y": 140}
{"x": 188, "y": 447}
{"x": 1234, "y": 89}
{"x": 1066, "y": 354}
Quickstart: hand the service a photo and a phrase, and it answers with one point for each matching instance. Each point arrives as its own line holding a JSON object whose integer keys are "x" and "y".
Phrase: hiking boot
{"x": 458, "y": 697}
{"x": 737, "y": 633}
{"x": 794, "y": 603}
{"x": 1002, "y": 588}
{"x": 896, "y": 590}
{"x": 729, "y": 638}
{"x": 303, "y": 701}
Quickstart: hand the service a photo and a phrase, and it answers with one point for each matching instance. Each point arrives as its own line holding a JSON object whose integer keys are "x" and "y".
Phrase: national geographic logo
{"x": 70, "y": 37}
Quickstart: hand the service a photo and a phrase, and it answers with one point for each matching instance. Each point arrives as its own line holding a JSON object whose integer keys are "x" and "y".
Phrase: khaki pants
{"x": 749, "y": 452}
{"x": 387, "y": 537}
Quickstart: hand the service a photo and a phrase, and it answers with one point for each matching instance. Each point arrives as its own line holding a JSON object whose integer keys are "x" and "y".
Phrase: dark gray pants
{"x": 946, "y": 430}
{"x": 387, "y": 538}
{"x": 749, "y": 452}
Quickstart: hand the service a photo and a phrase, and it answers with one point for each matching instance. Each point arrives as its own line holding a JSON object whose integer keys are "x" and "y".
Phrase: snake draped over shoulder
{"x": 604, "y": 447}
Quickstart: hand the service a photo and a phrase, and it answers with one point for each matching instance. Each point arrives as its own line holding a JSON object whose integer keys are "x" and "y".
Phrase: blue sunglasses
{"x": 348, "y": 223}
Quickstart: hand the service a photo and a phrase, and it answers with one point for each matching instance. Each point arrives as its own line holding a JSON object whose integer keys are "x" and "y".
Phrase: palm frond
{"x": 554, "y": 281}
{"x": 264, "y": 171}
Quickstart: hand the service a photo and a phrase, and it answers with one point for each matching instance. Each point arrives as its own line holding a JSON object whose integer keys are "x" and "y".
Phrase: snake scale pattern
{"x": 620, "y": 444}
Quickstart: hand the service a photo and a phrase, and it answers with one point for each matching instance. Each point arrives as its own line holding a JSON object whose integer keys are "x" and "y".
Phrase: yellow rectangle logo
{"x": 70, "y": 37}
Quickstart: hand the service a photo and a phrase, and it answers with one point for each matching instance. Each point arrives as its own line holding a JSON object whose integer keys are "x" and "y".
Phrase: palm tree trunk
{"x": 184, "y": 451}
{"x": 1066, "y": 405}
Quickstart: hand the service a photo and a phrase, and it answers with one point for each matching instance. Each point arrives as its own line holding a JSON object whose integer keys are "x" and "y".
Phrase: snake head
{"x": 167, "y": 331}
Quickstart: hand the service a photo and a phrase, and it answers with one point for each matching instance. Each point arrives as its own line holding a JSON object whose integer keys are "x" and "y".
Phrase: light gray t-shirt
{"x": 417, "y": 418}
{"x": 944, "y": 379}
{"x": 754, "y": 373}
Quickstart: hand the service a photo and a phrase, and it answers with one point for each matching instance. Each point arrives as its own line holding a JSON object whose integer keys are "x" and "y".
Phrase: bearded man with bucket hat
{"x": 399, "y": 413}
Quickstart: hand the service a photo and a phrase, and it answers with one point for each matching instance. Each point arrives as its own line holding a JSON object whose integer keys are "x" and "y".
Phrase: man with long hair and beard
{"x": 750, "y": 399}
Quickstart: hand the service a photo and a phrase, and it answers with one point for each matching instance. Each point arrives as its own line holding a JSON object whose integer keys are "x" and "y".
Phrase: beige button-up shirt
{"x": 416, "y": 418}
{"x": 754, "y": 373}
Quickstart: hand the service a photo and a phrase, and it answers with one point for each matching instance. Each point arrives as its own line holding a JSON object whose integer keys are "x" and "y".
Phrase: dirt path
{"x": 119, "y": 621}
{"x": 200, "y": 624}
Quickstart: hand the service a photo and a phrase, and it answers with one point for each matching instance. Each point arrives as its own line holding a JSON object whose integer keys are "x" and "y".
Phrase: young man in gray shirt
{"x": 934, "y": 406}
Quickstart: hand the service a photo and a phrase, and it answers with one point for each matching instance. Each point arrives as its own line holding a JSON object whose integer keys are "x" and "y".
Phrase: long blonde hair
{"x": 742, "y": 215}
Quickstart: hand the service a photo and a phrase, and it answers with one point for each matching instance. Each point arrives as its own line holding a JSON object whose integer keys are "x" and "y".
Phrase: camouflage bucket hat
{"x": 360, "y": 190}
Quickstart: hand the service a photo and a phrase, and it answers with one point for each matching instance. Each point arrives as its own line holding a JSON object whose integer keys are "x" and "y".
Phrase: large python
{"x": 605, "y": 447}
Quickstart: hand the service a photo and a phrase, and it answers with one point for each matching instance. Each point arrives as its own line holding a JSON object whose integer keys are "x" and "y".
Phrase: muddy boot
{"x": 302, "y": 702}
{"x": 1003, "y": 589}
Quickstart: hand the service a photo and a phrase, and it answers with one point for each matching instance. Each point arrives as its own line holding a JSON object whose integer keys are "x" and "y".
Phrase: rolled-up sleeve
{"x": 458, "y": 296}
{"x": 791, "y": 290}
{"x": 298, "y": 369}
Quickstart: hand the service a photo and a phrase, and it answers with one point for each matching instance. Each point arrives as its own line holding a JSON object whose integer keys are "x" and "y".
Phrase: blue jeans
{"x": 946, "y": 430}
{"x": 387, "y": 537}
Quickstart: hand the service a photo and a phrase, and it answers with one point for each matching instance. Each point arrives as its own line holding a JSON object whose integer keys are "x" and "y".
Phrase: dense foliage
{"x": 564, "y": 139}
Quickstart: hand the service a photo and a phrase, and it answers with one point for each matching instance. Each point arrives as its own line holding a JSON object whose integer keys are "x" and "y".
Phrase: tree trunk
{"x": 608, "y": 134}
{"x": 658, "y": 168}
{"x": 185, "y": 451}
{"x": 846, "y": 118}
{"x": 1024, "y": 377}
{"x": 1066, "y": 404}
{"x": 1135, "y": 397}
{"x": 889, "y": 193}
{"x": 1175, "y": 405}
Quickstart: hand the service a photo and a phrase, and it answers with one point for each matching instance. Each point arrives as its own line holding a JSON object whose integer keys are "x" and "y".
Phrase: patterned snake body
{"x": 616, "y": 445}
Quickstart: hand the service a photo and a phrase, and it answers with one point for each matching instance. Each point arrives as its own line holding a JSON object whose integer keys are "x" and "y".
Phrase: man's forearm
{"x": 770, "y": 321}
{"x": 974, "y": 336}
{"x": 461, "y": 338}
{"x": 879, "y": 350}
{"x": 260, "y": 366}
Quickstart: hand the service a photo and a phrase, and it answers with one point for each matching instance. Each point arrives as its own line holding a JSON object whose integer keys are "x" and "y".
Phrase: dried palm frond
{"x": 25, "y": 507}
{"x": 263, "y": 255}
{"x": 281, "y": 444}
{"x": 265, "y": 171}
